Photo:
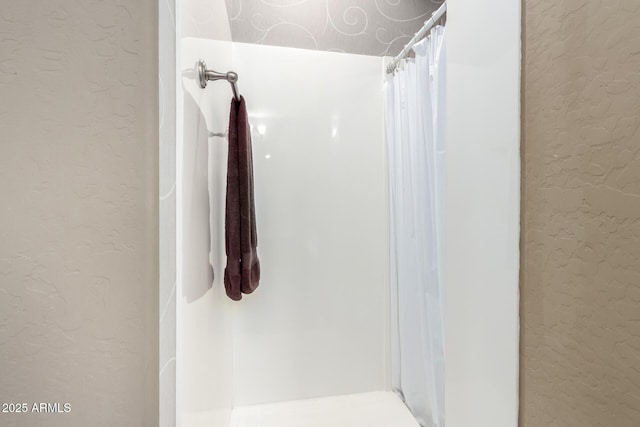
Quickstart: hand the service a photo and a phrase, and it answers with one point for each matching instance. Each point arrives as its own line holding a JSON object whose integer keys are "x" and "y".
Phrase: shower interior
{"x": 311, "y": 345}
{"x": 312, "y": 342}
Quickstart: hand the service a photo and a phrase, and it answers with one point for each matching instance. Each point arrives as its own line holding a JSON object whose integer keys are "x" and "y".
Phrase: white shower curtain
{"x": 415, "y": 117}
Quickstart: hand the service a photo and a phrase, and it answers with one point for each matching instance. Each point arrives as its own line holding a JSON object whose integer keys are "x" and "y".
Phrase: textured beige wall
{"x": 78, "y": 216}
{"x": 580, "y": 307}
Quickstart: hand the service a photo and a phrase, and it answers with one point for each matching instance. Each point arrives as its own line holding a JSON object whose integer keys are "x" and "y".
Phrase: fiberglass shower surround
{"x": 318, "y": 325}
{"x": 326, "y": 336}
{"x": 321, "y": 339}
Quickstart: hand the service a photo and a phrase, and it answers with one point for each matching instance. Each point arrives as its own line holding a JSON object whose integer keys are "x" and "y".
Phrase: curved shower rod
{"x": 205, "y": 75}
{"x": 428, "y": 24}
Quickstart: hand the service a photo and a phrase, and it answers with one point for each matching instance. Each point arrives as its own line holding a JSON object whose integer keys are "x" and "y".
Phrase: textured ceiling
{"x": 369, "y": 27}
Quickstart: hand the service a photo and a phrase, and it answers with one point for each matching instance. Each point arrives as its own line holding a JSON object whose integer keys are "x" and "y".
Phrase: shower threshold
{"x": 376, "y": 409}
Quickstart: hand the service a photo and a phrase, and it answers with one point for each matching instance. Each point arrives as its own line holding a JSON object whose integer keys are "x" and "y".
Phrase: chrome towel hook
{"x": 205, "y": 75}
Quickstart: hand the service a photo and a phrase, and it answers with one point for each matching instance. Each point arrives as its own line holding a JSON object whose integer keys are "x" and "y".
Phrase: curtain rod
{"x": 428, "y": 24}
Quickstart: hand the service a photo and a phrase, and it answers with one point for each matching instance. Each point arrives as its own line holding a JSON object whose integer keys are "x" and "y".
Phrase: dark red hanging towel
{"x": 242, "y": 274}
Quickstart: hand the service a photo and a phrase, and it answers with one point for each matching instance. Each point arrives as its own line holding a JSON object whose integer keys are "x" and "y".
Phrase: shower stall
{"x": 313, "y": 345}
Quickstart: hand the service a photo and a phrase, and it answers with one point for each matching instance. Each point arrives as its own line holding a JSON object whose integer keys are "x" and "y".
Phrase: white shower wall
{"x": 205, "y": 328}
{"x": 483, "y": 202}
{"x": 318, "y": 324}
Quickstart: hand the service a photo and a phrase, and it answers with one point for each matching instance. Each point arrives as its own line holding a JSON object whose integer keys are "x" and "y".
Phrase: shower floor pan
{"x": 377, "y": 409}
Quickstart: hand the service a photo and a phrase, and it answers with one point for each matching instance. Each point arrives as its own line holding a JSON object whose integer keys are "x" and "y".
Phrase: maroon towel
{"x": 242, "y": 274}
